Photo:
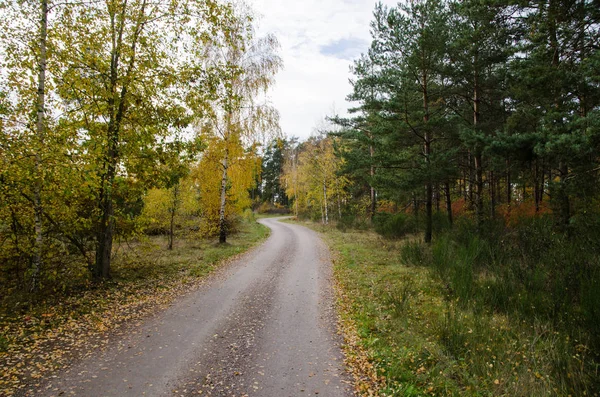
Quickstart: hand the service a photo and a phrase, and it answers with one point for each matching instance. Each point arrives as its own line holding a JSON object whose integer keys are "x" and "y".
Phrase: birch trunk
{"x": 173, "y": 210}
{"x": 325, "y": 203}
{"x": 40, "y": 129}
{"x": 222, "y": 220}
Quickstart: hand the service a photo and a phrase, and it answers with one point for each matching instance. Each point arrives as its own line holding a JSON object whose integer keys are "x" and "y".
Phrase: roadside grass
{"x": 424, "y": 339}
{"x": 263, "y": 216}
{"x": 192, "y": 256}
{"x": 45, "y": 334}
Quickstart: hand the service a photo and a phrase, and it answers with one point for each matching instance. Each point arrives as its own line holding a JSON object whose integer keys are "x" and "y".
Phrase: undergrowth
{"x": 494, "y": 312}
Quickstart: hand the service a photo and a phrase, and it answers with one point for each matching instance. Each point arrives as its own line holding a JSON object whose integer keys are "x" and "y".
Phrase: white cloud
{"x": 319, "y": 39}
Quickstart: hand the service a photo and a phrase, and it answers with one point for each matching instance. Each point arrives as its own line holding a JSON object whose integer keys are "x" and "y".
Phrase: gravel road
{"x": 263, "y": 326}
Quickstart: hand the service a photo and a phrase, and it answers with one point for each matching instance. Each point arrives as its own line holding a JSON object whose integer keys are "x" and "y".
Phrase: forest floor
{"x": 38, "y": 338}
{"x": 418, "y": 341}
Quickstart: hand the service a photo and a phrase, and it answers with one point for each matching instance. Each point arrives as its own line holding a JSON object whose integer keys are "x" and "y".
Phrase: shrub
{"x": 530, "y": 270}
{"x": 352, "y": 221}
{"x": 412, "y": 252}
{"x": 248, "y": 215}
{"x": 394, "y": 225}
{"x": 274, "y": 209}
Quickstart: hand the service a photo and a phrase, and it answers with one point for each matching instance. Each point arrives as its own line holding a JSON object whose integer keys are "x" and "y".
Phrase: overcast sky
{"x": 319, "y": 39}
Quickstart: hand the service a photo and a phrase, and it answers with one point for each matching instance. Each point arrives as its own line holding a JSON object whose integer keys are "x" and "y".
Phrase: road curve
{"x": 264, "y": 326}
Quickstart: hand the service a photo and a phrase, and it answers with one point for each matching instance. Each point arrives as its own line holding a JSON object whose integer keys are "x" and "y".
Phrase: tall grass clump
{"x": 394, "y": 225}
{"x": 541, "y": 283}
{"x": 485, "y": 310}
{"x": 350, "y": 221}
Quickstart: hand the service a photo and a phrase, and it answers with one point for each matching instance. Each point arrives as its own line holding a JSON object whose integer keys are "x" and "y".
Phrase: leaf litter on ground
{"x": 42, "y": 339}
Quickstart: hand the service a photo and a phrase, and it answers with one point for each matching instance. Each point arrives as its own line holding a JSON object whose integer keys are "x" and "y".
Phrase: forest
{"x": 461, "y": 193}
{"x": 472, "y": 149}
{"x": 112, "y": 112}
{"x": 129, "y": 140}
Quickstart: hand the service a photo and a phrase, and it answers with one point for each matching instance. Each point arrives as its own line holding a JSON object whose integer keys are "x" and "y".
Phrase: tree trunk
{"x": 542, "y": 182}
{"x": 40, "y": 129}
{"x": 373, "y": 194}
{"x": 173, "y": 210}
{"x": 478, "y": 155}
{"x": 448, "y": 203}
{"x": 508, "y": 184}
{"x": 499, "y": 197}
{"x": 373, "y": 203}
{"x": 536, "y": 188}
{"x": 471, "y": 179}
{"x": 563, "y": 196}
{"x": 116, "y": 106}
{"x": 295, "y": 170}
{"x": 429, "y": 214}
{"x": 222, "y": 220}
{"x": 416, "y": 207}
{"x": 427, "y": 152}
{"x": 563, "y": 168}
{"x": 104, "y": 238}
{"x": 492, "y": 195}
{"x": 326, "y": 222}
{"x": 479, "y": 188}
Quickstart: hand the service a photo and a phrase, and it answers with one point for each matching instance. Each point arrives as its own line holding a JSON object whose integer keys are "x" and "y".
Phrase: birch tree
{"x": 128, "y": 69}
{"x": 241, "y": 116}
{"x": 315, "y": 181}
{"x": 25, "y": 43}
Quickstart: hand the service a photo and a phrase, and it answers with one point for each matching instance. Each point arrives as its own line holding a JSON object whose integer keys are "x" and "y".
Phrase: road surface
{"x": 263, "y": 326}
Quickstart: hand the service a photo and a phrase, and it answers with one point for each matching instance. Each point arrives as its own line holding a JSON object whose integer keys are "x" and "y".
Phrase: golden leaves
{"x": 367, "y": 382}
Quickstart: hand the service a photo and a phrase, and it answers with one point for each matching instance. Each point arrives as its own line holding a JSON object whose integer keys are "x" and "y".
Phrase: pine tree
{"x": 554, "y": 91}
{"x": 479, "y": 51}
{"x": 359, "y": 135}
{"x": 272, "y": 169}
{"x": 409, "y": 42}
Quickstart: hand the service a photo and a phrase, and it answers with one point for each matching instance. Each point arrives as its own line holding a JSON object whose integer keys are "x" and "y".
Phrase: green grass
{"x": 414, "y": 312}
{"x": 192, "y": 256}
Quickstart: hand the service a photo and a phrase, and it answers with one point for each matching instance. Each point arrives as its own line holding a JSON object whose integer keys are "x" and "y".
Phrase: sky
{"x": 319, "y": 40}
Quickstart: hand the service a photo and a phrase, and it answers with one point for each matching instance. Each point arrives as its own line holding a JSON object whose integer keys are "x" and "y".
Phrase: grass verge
{"x": 39, "y": 337}
{"x": 420, "y": 339}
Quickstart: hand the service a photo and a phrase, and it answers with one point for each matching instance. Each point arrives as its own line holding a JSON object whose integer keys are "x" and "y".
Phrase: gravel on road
{"x": 263, "y": 326}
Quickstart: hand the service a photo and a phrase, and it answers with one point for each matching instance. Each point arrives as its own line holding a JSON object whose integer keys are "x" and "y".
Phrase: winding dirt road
{"x": 263, "y": 326}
